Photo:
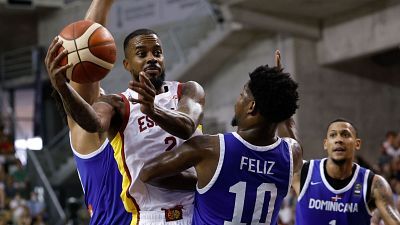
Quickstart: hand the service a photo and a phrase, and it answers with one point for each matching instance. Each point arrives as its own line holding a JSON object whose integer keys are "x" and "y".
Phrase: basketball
{"x": 91, "y": 50}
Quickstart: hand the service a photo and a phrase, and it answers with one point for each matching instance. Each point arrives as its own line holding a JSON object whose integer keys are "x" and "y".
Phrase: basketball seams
{"x": 76, "y": 78}
{"x": 91, "y": 51}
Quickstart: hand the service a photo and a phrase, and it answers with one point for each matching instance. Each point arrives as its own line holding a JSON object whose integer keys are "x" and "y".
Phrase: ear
{"x": 325, "y": 144}
{"x": 126, "y": 65}
{"x": 358, "y": 144}
{"x": 252, "y": 107}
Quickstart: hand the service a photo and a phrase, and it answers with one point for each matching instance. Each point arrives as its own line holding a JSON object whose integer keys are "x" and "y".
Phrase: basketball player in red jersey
{"x": 159, "y": 117}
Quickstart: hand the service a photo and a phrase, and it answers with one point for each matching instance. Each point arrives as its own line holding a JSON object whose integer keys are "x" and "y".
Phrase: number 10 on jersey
{"x": 240, "y": 190}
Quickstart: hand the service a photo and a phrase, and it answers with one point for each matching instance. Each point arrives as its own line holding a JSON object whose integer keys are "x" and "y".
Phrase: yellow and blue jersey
{"x": 102, "y": 185}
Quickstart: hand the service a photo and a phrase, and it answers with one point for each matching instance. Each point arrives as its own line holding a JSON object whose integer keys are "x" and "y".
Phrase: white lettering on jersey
{"x": 333, "y": 206}
{"x": 256, "y": 166}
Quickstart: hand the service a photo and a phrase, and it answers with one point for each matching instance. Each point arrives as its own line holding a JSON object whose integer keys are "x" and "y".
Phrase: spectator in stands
{"x": 18, "y": 207}
{"x": 36, "y": 207}
{"x": 389, "y": 146}
{"x": 20, "y": 176}
{"x": 6, "y": 145}
{"x": 10, "y": 189}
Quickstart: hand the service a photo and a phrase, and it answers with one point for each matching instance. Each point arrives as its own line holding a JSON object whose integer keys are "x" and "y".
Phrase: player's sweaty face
{"x": 146, "y": 55}
{"x": 341, "y": 141}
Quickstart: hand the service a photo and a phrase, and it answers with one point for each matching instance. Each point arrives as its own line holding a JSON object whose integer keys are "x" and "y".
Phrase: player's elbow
{"x": 188, "y": 131}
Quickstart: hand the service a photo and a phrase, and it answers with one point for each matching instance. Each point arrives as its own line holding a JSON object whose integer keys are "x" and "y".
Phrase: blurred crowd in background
{"x": 20, "y": 203}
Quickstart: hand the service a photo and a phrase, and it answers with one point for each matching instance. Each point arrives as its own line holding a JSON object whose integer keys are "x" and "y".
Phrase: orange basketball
{"x": 91, "y": 50}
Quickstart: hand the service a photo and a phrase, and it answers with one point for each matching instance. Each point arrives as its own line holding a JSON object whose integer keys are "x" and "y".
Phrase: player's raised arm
{"x": 181, "y": 122}
{"x": 98, "y": 11}
{"x": 382, "y": 194}
{"x": 288, "y": 129}
{"x": 96, "y": 119}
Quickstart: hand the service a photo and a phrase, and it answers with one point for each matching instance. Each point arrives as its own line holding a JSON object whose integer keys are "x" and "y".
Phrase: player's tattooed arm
{"x": 382, "y": 194}
{"x": 376, "y": 217}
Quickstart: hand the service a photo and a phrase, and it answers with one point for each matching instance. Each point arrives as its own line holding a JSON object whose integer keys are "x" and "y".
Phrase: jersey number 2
{"x": 240, "y": 190}
{"x": 171, "y": 142}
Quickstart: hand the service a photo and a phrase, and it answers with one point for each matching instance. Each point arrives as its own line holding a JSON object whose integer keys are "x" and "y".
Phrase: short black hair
{"x": 345, "y": 121}
{"x": 274, "y": 92}
{"x": 391, "y": 133}
{"x": 142, "y": 31}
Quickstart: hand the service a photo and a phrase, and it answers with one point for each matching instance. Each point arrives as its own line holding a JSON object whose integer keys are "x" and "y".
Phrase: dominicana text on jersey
{"x": 249, "y": 183}
{"x": 319, "y": 201}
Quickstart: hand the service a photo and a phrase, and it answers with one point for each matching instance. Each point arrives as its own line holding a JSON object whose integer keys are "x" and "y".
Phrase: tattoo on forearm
{"x": 383, "y": 193}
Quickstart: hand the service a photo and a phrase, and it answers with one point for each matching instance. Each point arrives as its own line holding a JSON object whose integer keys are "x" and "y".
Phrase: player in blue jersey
{"x": 97, "y": 167}
{"x": 242, "y": 176}
{"x": 337, "y": 191}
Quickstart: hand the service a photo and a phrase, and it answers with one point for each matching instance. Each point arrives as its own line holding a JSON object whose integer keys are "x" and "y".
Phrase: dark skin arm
{"x": 382, "y": 195}
{"x": 288, "y": 129}
{"x": 202, "y": 152}
{"x": 181, "y": 122}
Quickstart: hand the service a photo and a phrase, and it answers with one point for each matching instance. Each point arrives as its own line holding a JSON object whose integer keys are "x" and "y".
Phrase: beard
{"x": 234, "y": 122}
{"x": 158, "y": 81}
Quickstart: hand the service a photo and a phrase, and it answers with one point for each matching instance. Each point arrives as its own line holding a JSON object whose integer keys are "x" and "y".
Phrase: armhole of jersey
{"x": 291, "y": 165}
{"x": 80, "y": 180}
{"x": 307, "y": 182}
{"x": 126, "y": 115}
{"x": 304, "y": 170}
{"x": 219, "y": 166}
{"x": 90, "y": 155}
{"x": 367, "y": 188}
{"x": 179, "y": 91}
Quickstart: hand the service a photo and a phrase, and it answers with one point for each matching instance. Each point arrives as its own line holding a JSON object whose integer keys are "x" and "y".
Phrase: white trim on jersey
{"x": 90, "y": 155}
{"x": 365, "y": 189}
{"x": 290, "y": 141}
{"x": 219, "y": 166}
{"x": 80, "y": 180}
{"x": 307, "y": 182}
{"x": 327, "y": 185}
{"x": 255, "y": 147}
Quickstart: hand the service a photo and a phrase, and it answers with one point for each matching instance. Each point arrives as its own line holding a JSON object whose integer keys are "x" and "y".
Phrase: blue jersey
{"x": 248, "y": 185}
{"x": 319, "y": 201}
{"x": 102, "y": 185}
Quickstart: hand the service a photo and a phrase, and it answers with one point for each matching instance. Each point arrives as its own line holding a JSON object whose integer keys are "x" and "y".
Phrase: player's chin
{"x": 340, "y": 157}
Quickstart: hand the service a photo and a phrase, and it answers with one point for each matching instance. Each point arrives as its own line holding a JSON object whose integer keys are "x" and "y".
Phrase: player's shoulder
{"x": 112, "y": 99}
{"x": 192, "y": 87}
{"x": 290, "y": 141}
{"x": 297, "y": 153}
{"x": 294, "y": 145}
{"x": 379, "y": 181}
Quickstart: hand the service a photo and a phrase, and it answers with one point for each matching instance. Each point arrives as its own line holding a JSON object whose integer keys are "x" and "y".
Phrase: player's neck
{"x": 339, "y": 171}
{"x": 259, "y": 136}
